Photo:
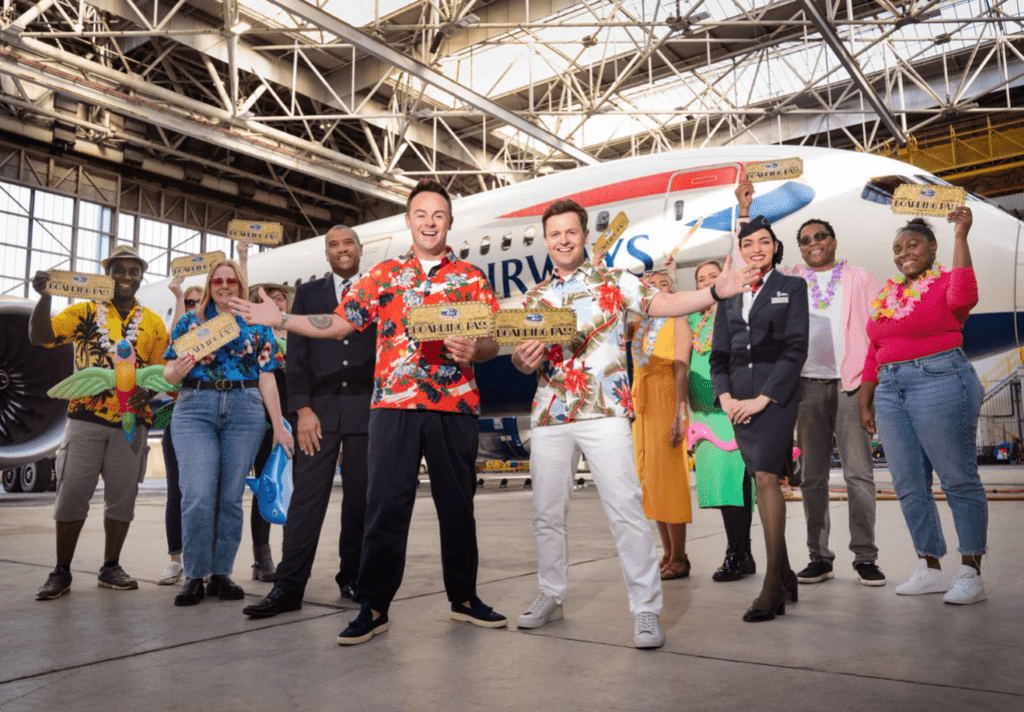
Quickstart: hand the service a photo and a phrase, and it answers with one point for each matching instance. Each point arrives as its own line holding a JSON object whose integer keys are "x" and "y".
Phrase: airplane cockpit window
{"x": 506, "y": 241}
{"x": 880, "y": 190}
{"x": 485, "y": 245}
{"x": 528, "y": 234}
{"x": 464, "y": 250}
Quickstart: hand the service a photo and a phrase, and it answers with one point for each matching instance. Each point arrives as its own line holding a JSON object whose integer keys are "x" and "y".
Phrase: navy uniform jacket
{"x": 767, "y": 354}
{"x": 333, "y": 377}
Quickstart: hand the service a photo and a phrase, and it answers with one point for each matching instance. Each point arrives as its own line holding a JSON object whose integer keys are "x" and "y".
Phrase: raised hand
{"x": 175, "y": 286}
{"x": 962, "y": 219}
{"x": 745, "y": 196}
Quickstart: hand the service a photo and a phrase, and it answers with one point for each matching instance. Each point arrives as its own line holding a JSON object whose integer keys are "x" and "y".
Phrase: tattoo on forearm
{"x": 320, "y": 321}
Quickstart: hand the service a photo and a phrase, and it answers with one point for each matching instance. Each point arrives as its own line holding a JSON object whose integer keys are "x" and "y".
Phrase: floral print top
{"x": 586, "y": 378}
{"x": 95, "y": 328}
{"x": 244, "y": 358}
{"x": 412, "y": 374}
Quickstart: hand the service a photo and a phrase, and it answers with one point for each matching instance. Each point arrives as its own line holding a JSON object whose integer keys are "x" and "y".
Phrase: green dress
{"x": 719, "y": 472}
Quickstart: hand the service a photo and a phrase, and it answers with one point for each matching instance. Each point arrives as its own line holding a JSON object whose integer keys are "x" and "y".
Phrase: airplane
{"x": 678, "y": 203}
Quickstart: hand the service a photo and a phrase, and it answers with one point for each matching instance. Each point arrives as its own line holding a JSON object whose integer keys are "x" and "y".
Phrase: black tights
{"x": 737, "y": 518}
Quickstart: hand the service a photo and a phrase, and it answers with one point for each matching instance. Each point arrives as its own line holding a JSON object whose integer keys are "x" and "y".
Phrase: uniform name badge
{"x": 259, "y": 233}
{"x": 208, "y": 336}
{"x": 436, "y": 322}
{"x": 549, "y": 326}
{"x": 782, "y": 169}
{"x": 97, "y": 287}
{"x": 191, "y": 265}
{"x": 932, "y": 200}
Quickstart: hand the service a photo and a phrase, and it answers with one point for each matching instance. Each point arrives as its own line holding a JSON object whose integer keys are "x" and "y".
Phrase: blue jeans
{"x": 927, "y": 414}
{"x": 216, "y": 435}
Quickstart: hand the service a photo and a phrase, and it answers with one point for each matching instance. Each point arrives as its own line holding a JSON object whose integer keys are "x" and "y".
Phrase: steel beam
{"x": 849, "y": 62}
{"x": 380, "y": 50}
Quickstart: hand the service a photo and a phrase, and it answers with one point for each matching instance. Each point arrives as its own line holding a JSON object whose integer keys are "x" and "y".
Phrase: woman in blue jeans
{"x": 927, "y": 398}
{"x": 217, "y": 428}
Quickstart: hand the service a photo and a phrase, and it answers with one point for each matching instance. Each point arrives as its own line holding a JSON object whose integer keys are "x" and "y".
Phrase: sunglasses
{"x": 191, "y": 303}
{"x": 819, "y": 236}
{"x": 218, "y": 281}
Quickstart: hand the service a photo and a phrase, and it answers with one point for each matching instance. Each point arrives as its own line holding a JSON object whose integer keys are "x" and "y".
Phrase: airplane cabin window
{"x": 485, "y": 245}
{"x": 601, "y": 224}
{"x": 464, "y": 250}
{"x": 679, "y": 210}
{"x": 528, "y": 234}
{"x": 506, "y": 241}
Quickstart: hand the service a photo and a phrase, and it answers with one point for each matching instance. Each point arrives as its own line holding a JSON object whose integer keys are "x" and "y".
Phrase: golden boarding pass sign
{"x": 782, "y": 169}
{"x": 268, "y": 233}
{"x": 934, "y": 200}
{"x": 551, "y": 326}
{"x": 611, "y": 235}
{"x": 97, "y": 287}
{"x": 208, "y": 336}
{"x": 436, "y": 322}
{"x": 195, "y": 264}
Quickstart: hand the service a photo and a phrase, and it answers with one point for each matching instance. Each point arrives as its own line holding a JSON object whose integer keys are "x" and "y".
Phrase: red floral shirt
{"x": 412, "y": 374}
{"x": 586, "y": 378}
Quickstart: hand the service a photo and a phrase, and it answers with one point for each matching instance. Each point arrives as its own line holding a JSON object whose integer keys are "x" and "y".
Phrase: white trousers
{"x": 607, "y": 444}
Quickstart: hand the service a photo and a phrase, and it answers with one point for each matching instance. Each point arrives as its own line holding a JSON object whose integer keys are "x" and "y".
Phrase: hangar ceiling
{"x": 343, "y": 104}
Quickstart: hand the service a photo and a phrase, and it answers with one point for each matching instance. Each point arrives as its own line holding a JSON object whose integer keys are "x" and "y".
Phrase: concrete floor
{"x": 843, "y": 646}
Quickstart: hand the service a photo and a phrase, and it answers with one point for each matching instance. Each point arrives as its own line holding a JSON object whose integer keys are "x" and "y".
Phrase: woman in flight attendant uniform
{"x": 758, "y": 349}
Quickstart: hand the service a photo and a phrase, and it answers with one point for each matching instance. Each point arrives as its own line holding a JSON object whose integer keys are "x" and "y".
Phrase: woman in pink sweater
{"x": 927, "y": 397}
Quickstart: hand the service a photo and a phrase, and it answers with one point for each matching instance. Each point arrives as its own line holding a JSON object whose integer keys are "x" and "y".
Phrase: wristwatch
{"x": 284, "y": 320}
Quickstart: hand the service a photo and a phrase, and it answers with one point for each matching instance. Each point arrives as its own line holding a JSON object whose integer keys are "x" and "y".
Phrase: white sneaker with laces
{"x": 967, "y": 587}
{"x": 647, "y": 632}
{"x": 924, "y": 580}
{"x": 171, "y": 574}
{"x": 544, "y": 609}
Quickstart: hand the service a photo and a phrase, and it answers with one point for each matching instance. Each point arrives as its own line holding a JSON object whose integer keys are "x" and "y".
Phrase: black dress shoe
{"x": 224, "y": 588}
{"x": 777, "y": 607}
{"x": 190, "y": 593}
{"x": 732, "y": 568}
{"x": 349, "y": 591}
{"x": 277, "y": 601}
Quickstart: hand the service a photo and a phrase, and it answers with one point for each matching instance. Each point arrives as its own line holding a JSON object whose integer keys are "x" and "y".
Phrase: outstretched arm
{"x": 729, "y": 283}
{"x": 266, "y": 313}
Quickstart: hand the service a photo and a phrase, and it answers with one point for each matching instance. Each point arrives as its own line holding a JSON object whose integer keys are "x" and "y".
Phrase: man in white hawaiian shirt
{"x": 583, "y": 403}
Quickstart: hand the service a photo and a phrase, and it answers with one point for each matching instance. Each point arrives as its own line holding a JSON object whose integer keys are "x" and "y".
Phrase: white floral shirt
{"x": 586, "y": 378}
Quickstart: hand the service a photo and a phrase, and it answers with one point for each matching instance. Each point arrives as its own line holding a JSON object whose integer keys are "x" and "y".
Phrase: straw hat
{"x": 124, "y": 252}
{"x": 254, "y": 290}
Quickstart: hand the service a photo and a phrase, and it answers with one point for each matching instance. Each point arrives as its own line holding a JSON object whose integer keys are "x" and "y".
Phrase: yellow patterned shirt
{"x": 95, "y": 329}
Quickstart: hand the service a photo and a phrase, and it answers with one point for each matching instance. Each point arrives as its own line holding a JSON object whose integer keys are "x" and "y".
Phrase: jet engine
{"x": 31, "y": 423}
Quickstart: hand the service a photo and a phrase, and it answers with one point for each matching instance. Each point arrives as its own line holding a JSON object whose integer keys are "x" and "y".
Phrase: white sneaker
{"x": 924, "y": 580}
{"x": 967, "y": 587}
{"x": 171, "y": 574}
{"x": 647, "y": 632}
{"x": 544, "y": 609}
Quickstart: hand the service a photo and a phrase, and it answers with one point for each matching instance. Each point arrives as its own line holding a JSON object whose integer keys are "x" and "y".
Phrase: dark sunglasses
{"x": 218, "y": 281}
{"x": 191, "y": 303}
{"x": 819, "y": 236}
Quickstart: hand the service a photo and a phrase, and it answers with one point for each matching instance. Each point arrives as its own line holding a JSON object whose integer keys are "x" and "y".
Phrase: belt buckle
{"x": 222, "y": 384}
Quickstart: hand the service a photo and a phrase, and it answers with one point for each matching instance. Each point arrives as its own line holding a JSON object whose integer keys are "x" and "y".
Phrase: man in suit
{"x": 329, "y": 387}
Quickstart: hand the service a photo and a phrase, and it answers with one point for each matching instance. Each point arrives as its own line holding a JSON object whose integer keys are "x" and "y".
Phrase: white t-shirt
{"x": 825, "y": 337}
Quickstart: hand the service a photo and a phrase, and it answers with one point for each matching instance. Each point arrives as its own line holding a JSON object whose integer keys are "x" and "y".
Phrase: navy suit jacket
{"x": 766, "y": 354}
{"x": 333, "y": 377}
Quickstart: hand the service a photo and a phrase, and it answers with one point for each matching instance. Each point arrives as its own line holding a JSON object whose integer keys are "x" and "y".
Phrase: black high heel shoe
{"x": 777, "y": 607}
{"x": 791, "y": 588}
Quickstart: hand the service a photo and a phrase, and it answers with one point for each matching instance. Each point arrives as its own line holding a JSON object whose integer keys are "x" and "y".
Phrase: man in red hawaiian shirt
{"x": 425, "y": 405}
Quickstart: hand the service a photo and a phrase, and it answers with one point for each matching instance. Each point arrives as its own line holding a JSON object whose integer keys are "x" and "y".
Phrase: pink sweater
{"x": 935, "y": 325}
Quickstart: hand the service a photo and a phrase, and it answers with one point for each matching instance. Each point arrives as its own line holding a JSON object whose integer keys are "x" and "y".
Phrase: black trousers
{"x": 313, "y": 477}
{"x": 398, "y": 440}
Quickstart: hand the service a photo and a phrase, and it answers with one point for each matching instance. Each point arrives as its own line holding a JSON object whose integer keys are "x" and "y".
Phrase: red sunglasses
{"x": 218, "y": 281}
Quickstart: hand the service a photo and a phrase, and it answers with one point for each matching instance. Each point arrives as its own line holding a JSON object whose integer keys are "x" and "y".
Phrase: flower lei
{"x": 898, "y": 299}
{"x": 822, "y": 301}
{"x": 131, "y": 333}
{"x": 702, "y": 346}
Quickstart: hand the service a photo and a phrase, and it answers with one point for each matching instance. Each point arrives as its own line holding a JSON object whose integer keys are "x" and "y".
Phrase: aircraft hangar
{"x": 156, "y": 123}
